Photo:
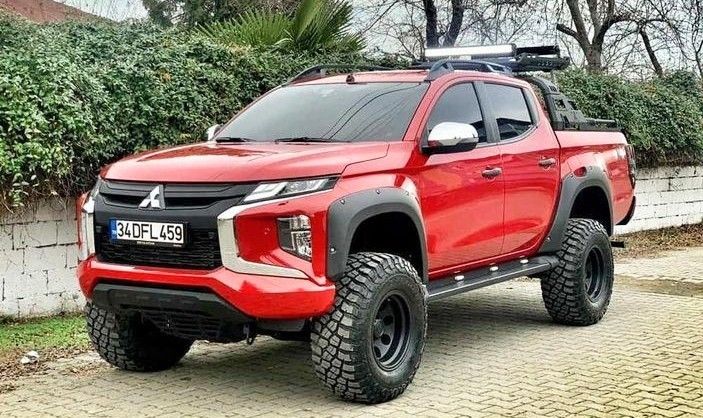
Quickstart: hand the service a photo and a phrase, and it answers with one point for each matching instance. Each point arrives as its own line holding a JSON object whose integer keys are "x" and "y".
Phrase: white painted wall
{"x": 667, "y": 196}
{"x": 38, "y": 251}
{"x": 38, "y": 257}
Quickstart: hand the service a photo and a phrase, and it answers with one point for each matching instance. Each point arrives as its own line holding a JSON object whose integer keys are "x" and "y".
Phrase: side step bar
{"x": 485, "y": 276}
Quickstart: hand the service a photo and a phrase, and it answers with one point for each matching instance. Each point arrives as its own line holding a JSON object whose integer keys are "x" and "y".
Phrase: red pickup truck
{"x": 334, "y": 208}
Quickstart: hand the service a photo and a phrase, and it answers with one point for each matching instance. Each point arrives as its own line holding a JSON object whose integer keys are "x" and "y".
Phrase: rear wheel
{"x": 129, "y": 343}
{"x": 578, "y": 290}
{"x": 368, "y": 348}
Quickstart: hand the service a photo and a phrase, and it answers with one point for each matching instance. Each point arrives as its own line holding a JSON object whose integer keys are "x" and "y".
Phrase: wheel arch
{"x": 363, "y": 221}
{"x": 576, "y": 200}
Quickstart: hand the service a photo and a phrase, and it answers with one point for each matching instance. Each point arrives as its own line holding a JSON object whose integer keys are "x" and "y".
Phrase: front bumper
{"x": 259, "y": 297}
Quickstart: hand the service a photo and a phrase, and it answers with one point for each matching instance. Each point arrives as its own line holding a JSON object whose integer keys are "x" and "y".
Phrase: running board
{"x": 485, "y": 276}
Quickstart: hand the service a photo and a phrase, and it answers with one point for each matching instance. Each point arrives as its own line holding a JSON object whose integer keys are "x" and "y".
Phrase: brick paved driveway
{"x": 490, "y": 352}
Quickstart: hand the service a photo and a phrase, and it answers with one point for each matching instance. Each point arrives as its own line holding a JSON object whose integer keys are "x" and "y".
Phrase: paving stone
{"x": 678, "y": 265}
{"x": 492, "y": 352}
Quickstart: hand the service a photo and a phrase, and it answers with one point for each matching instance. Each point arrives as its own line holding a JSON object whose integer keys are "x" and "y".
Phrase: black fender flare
{"x": 346, "y": 214}
{"x": 571, "y": 186}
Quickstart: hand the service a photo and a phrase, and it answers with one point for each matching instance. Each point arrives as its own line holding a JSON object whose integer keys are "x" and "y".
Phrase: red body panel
{"x": 212, "y": 162}
{"x": 469, "y": 220}
{"x": 605, "y": 150}
{"x": 257, "y": 296}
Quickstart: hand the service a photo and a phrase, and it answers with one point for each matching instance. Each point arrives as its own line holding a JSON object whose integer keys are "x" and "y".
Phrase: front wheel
{"x": 368, "y": 348}
{"x": 578, "y": 290}
{"x": 130, "y": 343}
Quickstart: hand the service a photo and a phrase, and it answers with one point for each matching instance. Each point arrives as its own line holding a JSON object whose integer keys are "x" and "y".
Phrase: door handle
{"x": 547, "y": 162}
{"x": 492, "y": 172}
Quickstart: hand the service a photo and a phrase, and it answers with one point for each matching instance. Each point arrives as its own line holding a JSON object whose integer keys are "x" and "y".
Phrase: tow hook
{"x": 617, "y": 244}
{"x": 249, "y": 333}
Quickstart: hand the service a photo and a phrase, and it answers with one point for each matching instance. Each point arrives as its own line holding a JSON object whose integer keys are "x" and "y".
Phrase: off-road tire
{"x": 127, "y": 342}
{"x": 342, "y": 341}
{"x": 567, "y": 290}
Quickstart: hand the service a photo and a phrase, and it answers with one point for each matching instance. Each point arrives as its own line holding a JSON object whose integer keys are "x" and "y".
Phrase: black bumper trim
{"x": 118, "y": 297}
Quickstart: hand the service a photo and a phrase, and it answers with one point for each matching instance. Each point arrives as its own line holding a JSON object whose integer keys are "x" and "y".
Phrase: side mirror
{"x": 448, "y": 137}
{"x": 212, "y": 131}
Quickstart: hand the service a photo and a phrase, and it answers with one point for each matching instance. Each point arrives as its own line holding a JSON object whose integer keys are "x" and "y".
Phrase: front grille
{"x": 201, "y": 252}
{"x": 176, "y": 196}
{"x": 195, "y": 205}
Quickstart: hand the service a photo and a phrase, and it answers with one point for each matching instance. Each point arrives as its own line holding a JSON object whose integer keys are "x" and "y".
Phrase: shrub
{"x": 663, "y": 117}
{"x": 76, "y": 96}
{"x": 79, "y": 95}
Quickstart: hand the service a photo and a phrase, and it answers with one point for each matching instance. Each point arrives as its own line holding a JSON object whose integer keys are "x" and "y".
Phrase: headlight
{"x": 86, "y": 233}
{"x": 295, "y": 237}
{"x": 289, "y": 188}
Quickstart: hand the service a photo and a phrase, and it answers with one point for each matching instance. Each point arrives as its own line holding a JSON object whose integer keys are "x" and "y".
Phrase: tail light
{"x": 85, "y": 207}
{"x": 632, "y": 163}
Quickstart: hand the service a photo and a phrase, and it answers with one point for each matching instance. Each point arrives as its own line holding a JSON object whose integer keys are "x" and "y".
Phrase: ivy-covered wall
{"x": 663, "y": 117}
{"x": 76, "y": 96}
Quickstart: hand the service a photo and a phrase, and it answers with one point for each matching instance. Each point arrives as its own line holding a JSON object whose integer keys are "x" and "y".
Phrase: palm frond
{"x": 316, "y": 26}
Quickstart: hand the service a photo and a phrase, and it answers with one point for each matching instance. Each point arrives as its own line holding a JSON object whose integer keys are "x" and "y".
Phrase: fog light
{"x": 295, "y": 237}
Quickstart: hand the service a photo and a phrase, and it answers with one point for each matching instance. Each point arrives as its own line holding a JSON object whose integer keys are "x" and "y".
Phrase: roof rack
{"x": 506, "y": 59}
{"x": 319, "y": 71}
{"x": 563, "y": 112}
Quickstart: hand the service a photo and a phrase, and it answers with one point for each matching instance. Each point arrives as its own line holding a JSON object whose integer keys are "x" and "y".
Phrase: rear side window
{"x": 459, "y": 103}
{"x": 511, "y": 111}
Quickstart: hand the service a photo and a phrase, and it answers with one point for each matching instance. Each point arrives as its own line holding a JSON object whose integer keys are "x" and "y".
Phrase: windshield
{"x": 329, "y": 112}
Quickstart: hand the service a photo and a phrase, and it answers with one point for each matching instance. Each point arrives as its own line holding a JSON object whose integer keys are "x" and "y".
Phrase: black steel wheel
{"x": 391, "y": 332}
{"x": 368, "y": 348}
{"x": 578, "y": 290}
{"x": 595, "y": 276}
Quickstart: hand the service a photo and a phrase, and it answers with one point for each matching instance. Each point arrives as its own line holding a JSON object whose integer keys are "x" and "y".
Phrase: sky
{"x": 112, "y": 9}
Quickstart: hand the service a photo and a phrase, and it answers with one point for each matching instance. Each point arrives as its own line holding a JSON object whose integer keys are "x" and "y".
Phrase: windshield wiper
{"x": 304, "y": 139}
{"x": 232, "y": 139}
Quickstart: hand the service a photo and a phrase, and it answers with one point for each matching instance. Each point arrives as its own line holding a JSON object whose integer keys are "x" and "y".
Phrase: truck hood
{"x": 212, "y": 162}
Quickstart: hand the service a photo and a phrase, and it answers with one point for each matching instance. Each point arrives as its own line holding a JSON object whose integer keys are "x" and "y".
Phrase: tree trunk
{"x": 650, "y": 52}
{"x": 594, "y": 59}
{"x": 455, "y": 24}
{"x": 431, "y": 25}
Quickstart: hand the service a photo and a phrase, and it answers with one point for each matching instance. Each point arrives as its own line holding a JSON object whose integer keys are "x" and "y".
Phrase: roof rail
{"x": 506, "y": 59}
{"x": 319, "y": 71}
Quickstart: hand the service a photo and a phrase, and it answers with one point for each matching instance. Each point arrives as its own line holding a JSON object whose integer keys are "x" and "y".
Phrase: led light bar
{"x": 488, "y": 51}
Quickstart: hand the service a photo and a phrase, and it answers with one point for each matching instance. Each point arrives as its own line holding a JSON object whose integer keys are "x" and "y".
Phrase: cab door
{"x": 530, "y": 158}
{"x": 461, "y": 193}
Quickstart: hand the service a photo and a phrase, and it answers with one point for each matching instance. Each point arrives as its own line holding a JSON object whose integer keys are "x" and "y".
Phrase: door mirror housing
{"x": 212, "y": 131}
{"x": 448, "y": 137}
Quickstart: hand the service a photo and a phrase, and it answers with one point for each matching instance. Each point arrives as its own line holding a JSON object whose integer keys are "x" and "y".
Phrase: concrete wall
{"x": 38, "y": 249}
{"x": 38, "y": 257}
{"x": 667, "y": 196}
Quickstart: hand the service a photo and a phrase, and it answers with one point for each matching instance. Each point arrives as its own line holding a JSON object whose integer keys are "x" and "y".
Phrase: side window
{"x": 511, "y": 111}
{"x": 459, "y": 103}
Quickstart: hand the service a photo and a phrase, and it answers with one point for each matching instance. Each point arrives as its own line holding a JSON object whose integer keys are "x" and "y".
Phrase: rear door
{"x": 461, "y": 204}
{"x": 530, "y": 161}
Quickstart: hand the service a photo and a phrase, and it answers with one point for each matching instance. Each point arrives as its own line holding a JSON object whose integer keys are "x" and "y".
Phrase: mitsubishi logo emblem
{"x": 155, "y": 200}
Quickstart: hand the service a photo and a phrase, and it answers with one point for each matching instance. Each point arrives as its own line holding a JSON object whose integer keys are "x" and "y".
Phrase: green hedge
{"x": 76, "y": 96}
{"x": 663, "y": 117}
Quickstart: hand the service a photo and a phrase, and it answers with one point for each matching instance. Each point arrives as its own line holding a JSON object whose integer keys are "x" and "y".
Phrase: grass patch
{"x": 51, "y": 337}
{"x": 649, "y": 243}
{"x": 66, "y": 331}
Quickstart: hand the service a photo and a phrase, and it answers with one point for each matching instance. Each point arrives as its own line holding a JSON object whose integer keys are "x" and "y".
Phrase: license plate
{"x": 148, "y": 233}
